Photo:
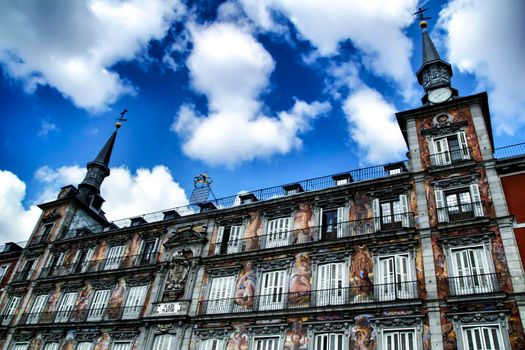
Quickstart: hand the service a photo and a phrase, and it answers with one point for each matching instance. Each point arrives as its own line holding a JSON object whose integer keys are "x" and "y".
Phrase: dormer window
{"x": 395, "y": 168}
{"x": 342, "y": 179}
{"x": 247, "y": 198}
{"x": 293, "y": 189}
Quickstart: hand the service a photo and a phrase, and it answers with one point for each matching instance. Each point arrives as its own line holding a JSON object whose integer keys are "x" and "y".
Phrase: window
{"x": 399, "y": 339}
{"x": 163, "y": 342}
{"x": 458, "y": 204}
{"x": 54, "y": 265}
{"x": 482, "y": 337}
{"x": 328, "y": 341}
{"x": 266, "y": 343}
{"x": 272, "y": 290}
{"x": 332, "y": 223}
{"x": 148, "y": 251}
{"x": 114, "y": 257}
{"x": 36, "y": 309}
{"x": 390, "y": 214}
{"x": 229, "y": 239}
{"x": 211, "y": 344}
{"x": 20, "y": 346}
{"x": 221, "y": 294}
{"x": 83, "y": 259}
{"x": 135, "y": 301}
{"x": 341, "y": 182}
{"x": 27, "y": 270}
{"x": 470, "y": 271}
{"x": 277, "y": 232}
{"x": 3, "y": 271}
{"x": 9, "y": 310}
{"x": 51, "y": 346}
{"x": 98, "y": 305}
{"x": 84, "y": 346}
{"x": 331, "y": 279}
{"x": 45, "y": 232}
{"x": 394, "y": 278}
{"x": 66, "y": 305}
{"x": 121, "y": 345}
{"x": 449, "y": 149}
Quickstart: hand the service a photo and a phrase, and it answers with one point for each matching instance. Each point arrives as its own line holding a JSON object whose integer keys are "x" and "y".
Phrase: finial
{"x": 118, "y": 124}
{"x": 422, "y": 19}
{"x": 202, "y": 180}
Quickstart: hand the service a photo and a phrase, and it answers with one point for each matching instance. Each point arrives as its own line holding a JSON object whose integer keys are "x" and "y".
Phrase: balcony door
{"x": 331, "y": 283}
{"x": 36, "y": 309}
{"x": 394, "y": 278}
{"x": 272, "y": 292}
{"x": 277, "y": 233}
{"x": 471, "y": 272}
{"x": 220, "y": 299}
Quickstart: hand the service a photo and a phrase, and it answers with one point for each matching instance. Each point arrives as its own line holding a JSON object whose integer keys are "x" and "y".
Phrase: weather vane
{"x": 202, "y": 180}
{"x": 420, "y": 13}
{"x": 118, "y": 124}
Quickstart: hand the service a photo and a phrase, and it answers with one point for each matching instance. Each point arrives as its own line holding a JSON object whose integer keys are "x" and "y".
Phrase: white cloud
{"x": 46, "y": 127}
{"x": 374, "y": 27}
{"x": 72, "y": 45}
{"x": 373, "y": 127}
{"x": 126, "y": 194}
{"x": 232, "y": 69}
{"x": 487, "y": 38}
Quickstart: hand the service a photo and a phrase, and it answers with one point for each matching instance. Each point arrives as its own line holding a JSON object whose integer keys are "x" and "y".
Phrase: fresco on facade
{"x": 449, "y": 336}
{"x": 440, "y": 267}
{"x": 361, "y": 274}
{"x": 363, "y": 335}
{"x": 296, "y": 338}
{"x": 102, "y": 342}
{"x": 69, "y": 259}
{"x": 516, "y": 335}
{"x": 79, "y": 313}
{"x": 238, "y": 338}
{"x": 303, "y": 224}
{"x": 117, "y": 299}
{"x": 98, "y": 257}
{"x": 245, "y": 287}
{"x": 500, "y": 262}
{"x": 132, "y": 250}
{"x": 253, "y": 230}
{"x": 301, "y": 281}
{"x": 413, "y": 200}
{"x": 69, "y": 343}
{"x": 486, "y": 199}
{"x": 51, "y": 306}
{"x": 427, "y": 341}
{"x": 37, "y": 343}
{"x": 420, "y": 272}
{"x": 361, "y": 214}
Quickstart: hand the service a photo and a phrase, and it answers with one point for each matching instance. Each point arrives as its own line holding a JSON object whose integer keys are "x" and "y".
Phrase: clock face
{"x": 439, "y": 95}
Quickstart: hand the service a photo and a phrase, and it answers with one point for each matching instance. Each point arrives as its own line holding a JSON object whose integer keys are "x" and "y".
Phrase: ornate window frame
{"x": 399, "y": 323}
{"x": 480, "y": 318}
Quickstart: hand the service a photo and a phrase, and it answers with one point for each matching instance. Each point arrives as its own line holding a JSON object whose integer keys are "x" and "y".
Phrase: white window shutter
{"x": 337, "y": 283}
{"x": 277, "y": 232}
{"x": 51, "y": 346}
{"x": 135, "y": 301}
{"x": 235, "y": 239}
{"x": 462, "y": 138}
{"x": 323, "y": 284}
{"x": 441, "y": 208}
{"x": 376, "y": 209}
{"x": 221, "y": 294}
{"x": 341, "y": 228}
{"x": 36, "y": 309}
{"x": 66, "y": 305}
{"x": 442, "y": 152}
{"x": 476, "y": 199}
{"x": 218, "y": 240}
{"x": 121, "y": 346}
{"x": 163, "y": 342}
{"x": 405, "y": 219}
{"x": 114, "y": 257}
{"x": 87, "y": 259}
{"x": 272, "y": 291}
{"x": 98, "y": 305}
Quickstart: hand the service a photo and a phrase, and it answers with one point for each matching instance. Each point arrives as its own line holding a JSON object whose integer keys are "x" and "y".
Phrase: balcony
{"x": 119, "y": 263}
{"x": 460, "y": 212}
{"x": 450, "y": 157}
{"x": 371, "y": 294}
{"x": 474, "y": 284}
{"x": 81, "y": 316}
{"x": 356, "y": 228}
{"x": 39, "y": 239}
{"x": 5, "y": 320}
{"x": 24, "y": 275}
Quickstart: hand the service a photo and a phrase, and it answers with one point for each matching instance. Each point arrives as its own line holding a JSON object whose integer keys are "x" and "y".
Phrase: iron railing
{"x": 511, "y": 151}
{"x": 460, "y": 212}
{"x": 374, "y": 225}
{"x": 367, "y": 293}
{"x": 474, "y": 284}
{"x": 87, "y": 315}
{"x": 450, "y": 157}
{"x": 6, "y": 320}
{"x": 116, "y": 263}
{"x": 23, "y": 275}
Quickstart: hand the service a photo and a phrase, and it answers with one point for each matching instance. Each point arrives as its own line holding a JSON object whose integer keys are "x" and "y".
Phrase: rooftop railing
{"x": 511, "y": 151}
{"x": 474, "y": 284}
{"x": 77, "y": 316}
{"x": 346, "y": 229}
{"x": 366, "y": 293}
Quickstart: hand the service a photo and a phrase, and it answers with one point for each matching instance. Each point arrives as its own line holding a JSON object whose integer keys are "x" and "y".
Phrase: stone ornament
{"x": 177, "y": 275}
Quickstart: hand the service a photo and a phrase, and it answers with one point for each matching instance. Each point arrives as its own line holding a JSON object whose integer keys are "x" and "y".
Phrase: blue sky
{"x": 256, "y": 93}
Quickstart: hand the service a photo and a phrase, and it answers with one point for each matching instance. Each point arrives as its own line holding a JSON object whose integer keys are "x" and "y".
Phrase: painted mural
{"x": 516, "y": 334}
{"x": 116, "y": 300}
{"x": 245, "y": 287}
{"x": 427, "y": 341}
{"x": 301, "y": 281}
{"x": 500, "y": 263}
{"x": 361, "y": 214}
{"x": 449, "y": 336}
{"x": 51, "y": 306}
{"x": 37, "y": 343}
{"x": 69, "y": 259}
{"x": 238, "y": 339}
{"x": 440, "y": 267}
{"x": 102, "y": 342}
{"x": 420, "y": 272}
{"x": 253, "y": 230}
{"x": 363, "y": 335}
{"x": 81, "y": 307}
{"x": 69, "y": 343}
{"x": 131, "y": 252}
{"x": 361, "y": 274}
{"x": 98, "y": 257}
{"x": 303, "y": 224}
{"x": 296, "y": 338}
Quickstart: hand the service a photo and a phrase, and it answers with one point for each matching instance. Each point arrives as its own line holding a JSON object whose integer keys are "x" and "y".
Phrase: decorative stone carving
{"x": 52, "y": 216}
{"x": 328, "y": 326}
{"x": 444, "y": 128}
{"x": 479, "y": 317}
{"x": 394, "y": 247}
{"x": 86, "y": 337}
{"x": 190, "y": 234}
{"x": 267, "y": 330}
{"x": 458, "y": 241}
{"x": 52, "y": 337}
{"x": 123, "y": 335}
{"x": 398, "y": 321}
{"x": 165, "y": 328}
{"x": 274, "y": 264}
{"x": 456, "y": 181}
{"x": 331, "y": 256}
{"x": 139, "y": 280}
{"x": 177, "y": 276}
{"x": 277, "y": 212}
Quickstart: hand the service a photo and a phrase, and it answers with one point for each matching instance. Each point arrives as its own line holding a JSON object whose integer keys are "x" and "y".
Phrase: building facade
{"x": 419, "y": 254}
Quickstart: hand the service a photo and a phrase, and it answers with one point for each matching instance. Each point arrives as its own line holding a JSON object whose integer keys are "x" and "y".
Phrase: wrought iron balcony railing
{"x": 24, "y": 275}
{"x": 370, "y": 293}
{"x": 450, "y": 157}
{"x": 460, "y": 212}
{"x": 474, "y": 284}
{"x": 6, "y": 320}
{"x": 374, "y": 225}
{"x": 72, "y": 315}
{"x": 116, "y": 263}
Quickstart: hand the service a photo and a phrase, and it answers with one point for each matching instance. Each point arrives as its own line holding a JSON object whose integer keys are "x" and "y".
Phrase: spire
{"x": 430, "y": 53}
{"x": 105, "y": 153}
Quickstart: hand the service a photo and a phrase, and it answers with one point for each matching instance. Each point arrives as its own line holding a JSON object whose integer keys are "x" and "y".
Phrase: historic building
{"x": 419, "y": 254}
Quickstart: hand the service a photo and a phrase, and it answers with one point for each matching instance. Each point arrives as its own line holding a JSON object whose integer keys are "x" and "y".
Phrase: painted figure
{"x": 102, "y": 342}
{"x": 36, "y": 344}
{"x": 303, "y": 223}
{"x": 69, "y": 258}
{"x": 132, "y": 250}
{"x": 361, "y": 274}
{"x": 98, "y": 256}
{"x": 296, "y": 338}
{"x": 82, "y": 303}
{"x": 117, "y": 299}
{"x": 69, "y": 343}
{"x": 245, "y": 288}
{"x": 300, "y": 280}
{"x": 363, "y": 336}
{"x": 51, "y": 306}
{"x": 238, "y": 338}
{"x": 361, "y": 214}
{"x": 252, "y": 233}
